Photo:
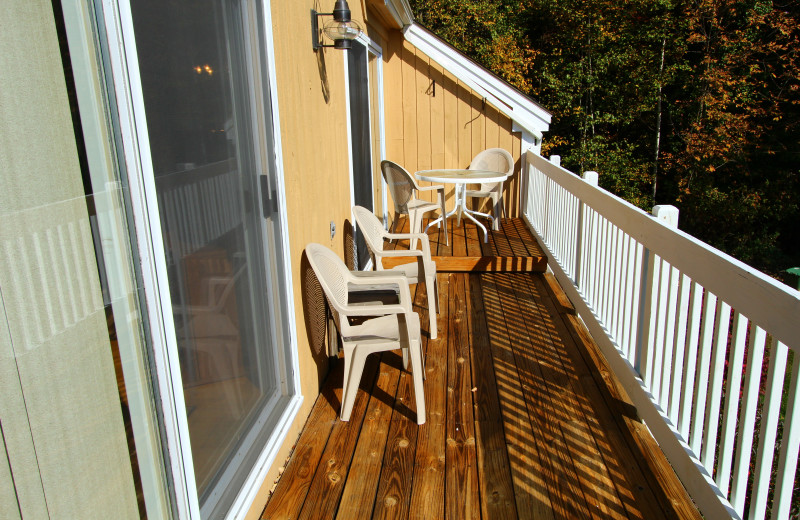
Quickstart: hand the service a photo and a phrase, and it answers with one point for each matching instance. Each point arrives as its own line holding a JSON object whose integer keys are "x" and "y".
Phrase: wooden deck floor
{"x": 524, "y": 421}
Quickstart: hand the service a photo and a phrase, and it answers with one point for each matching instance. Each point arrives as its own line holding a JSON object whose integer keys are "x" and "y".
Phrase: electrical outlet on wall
{"x": 333, "y": 229}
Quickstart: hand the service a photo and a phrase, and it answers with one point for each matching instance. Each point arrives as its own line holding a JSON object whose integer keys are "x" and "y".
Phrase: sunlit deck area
{"x": 512, "y": 248}
{"x": 524, "y": 418}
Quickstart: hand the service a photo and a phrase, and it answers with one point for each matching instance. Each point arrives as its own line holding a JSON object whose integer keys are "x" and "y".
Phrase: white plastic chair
{"x": 495, "y": 160}
{"x": 404, "y": 194}
{"x": 393, "y": 325}
{"x": 423, "y": 269}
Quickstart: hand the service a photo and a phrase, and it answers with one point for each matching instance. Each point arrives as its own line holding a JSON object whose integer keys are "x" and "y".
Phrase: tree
{"x": 688, "y": 102}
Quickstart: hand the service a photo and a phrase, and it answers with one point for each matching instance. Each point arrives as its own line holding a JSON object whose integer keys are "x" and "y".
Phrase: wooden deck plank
{"x": 394, "y": 491}
{"x": 358, "y": 496}
{"x": 474, "y": 239}
{"x": 623, "y": 466}
{"x": 427, "y": 494}
{"x": 295, "y": 481}
{"x": 565, "y": 495}
{"x": 462, "y": 499}
{"x": 328, "y": 483}
{"x": 494, "y": 472}
{"x": 529, "y": 473}
{"x": 572, "y": 410}
{"x": 515, "y": 241}
{"x": 532, "y": 245}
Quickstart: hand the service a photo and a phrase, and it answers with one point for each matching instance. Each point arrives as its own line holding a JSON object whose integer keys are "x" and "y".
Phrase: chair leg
{"x": 416, "y": 226}
{"x": 497, "y": 210}
{"x": 418, "y": 374}
{"x": 444, "y": 216}
{"x": 433, "y": 305}
{"x": 353, "y": 369}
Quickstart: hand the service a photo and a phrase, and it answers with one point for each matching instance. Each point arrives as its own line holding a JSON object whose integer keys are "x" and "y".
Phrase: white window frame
{"x": 130, "y": 106}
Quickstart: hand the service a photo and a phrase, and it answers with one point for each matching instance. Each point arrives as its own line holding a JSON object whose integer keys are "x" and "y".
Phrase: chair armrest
{"x": 373, "y": 310}
{"x": 423, "y": 239}
{"x": 401, "y": 252}
{"x": 384, "y": 279}
{"x": 437, "y": 187}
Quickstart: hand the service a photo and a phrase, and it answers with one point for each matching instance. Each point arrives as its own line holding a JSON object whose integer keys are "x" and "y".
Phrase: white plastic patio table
{"x": 461, "y": 178}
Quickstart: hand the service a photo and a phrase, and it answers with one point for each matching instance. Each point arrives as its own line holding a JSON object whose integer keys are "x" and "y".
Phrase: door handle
{"x": 269, "y": 197}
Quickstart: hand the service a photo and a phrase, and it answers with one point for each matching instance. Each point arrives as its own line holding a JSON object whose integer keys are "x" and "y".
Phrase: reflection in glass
{"x": 194, "y": 65}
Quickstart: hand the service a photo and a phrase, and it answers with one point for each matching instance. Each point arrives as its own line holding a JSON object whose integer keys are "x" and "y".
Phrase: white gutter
{"x": 527, "y": 116}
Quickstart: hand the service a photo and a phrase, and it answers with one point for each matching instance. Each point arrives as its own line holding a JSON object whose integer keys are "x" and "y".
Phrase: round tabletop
{"x": 459, "y": 176}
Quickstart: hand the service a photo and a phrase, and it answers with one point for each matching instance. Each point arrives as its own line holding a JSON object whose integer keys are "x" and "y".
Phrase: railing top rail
{"x": 768, "y": 303}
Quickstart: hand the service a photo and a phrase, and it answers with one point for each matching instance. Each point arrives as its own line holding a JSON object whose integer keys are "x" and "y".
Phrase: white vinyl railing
{"x": 705, "y": 346}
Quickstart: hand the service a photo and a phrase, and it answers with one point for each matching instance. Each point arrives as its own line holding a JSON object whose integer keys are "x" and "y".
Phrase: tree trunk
{"x": 658, "y": 119}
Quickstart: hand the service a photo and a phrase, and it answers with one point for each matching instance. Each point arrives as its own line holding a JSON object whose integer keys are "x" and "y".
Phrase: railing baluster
{"x": 638, "y": 262}
{"x": 747, "y": 423}
{"x": 661, "y": 288}
{"x": 591, "y": 178}
{"x": 593, "y": 266}
{"x": 769, "y": 428}
{"x": 713, "y": 405}
{"x": 679, "y": 348}
{"x": 625, "y": 300}
{"x": 734, "y": 384}
{"x": 619, "y": 283}
{"x": 602, "y": 291}
{"x": 645, "y": 333}
{"x": 670, "y": 318}
{"x": 711, "y": 311}
{"x": 790, "y": 446}
{"x": 690, "y": 365}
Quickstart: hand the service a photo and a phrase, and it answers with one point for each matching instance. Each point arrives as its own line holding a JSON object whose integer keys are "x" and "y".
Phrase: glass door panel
{"x": 358, "y": 90}
{"x": 204, "y": 118}
{"x": 376, "y": 133}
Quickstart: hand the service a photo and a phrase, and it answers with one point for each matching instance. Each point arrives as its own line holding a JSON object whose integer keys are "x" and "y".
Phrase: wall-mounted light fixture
{"x": 341, "y": 29}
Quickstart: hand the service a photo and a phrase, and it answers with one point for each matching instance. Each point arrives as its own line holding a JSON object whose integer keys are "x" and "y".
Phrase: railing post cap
{"x": 592, "y": 177}
{"x": 667, "y": 214}
{"x": 555, "y": 159}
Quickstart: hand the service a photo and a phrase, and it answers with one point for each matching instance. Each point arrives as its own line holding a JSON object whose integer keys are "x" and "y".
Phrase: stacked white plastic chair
{"x": 423, "y": 269}
{"x": 387, "y": 326}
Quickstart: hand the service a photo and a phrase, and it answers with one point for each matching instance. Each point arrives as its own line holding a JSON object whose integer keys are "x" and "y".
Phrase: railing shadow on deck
{"x": 556, "y": 387}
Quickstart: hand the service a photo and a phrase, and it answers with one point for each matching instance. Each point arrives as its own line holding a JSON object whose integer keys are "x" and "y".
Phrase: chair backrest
{"x": 495, "y": 160}
{"x": 401, "y": 185}
{"x": 370, "y": 227}
{"x": 331, "y": 273}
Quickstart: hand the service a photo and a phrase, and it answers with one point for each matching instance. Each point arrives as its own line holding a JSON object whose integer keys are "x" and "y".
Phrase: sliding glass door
{"x": 204, "y": 89}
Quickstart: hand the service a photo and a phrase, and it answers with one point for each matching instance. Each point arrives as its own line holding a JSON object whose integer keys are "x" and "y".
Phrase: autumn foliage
{"x": 690, "y": 103}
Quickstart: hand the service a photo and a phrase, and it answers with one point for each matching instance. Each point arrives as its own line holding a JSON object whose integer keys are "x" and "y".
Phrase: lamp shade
{"x": 341, "y": 32}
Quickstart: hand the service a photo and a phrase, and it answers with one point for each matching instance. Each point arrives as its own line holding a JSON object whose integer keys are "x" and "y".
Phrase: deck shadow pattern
{"x": 524, "y": 421}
